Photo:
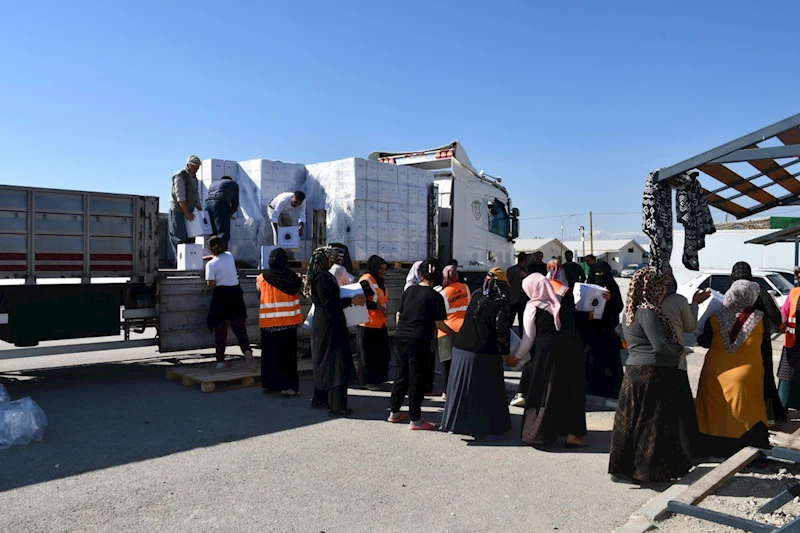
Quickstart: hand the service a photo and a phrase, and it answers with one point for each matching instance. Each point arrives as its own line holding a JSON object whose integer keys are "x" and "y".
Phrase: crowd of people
{"x": 660, "y": 429}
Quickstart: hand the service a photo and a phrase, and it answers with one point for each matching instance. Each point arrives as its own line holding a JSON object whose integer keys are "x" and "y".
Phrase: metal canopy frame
{"x": 763, "y": 158}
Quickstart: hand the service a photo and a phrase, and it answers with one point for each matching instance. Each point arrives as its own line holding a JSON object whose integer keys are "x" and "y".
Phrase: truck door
{"x": 471, "y": 251}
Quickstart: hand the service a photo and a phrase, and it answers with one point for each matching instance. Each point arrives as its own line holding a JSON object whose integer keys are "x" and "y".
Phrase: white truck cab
{"x": 473, "y": 220}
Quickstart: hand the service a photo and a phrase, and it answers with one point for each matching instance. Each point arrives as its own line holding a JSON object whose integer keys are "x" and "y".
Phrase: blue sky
{"x": 571, "y": 102}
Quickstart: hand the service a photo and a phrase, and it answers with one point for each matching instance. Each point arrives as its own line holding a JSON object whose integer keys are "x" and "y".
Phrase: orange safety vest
{"x": 560, "y": 289}
{"x": 277, "y": 308}
{"x": 456, "y": 300}
{"x": 791, "y": 322}
{"x": 377, "y": 318}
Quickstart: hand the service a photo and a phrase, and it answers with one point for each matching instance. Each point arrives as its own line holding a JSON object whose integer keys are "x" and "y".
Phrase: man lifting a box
{"x": 184, "y": 198}
{"x": 280, "y": 212}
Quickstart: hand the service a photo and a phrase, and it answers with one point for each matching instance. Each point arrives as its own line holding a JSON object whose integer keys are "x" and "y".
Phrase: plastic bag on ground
{"x": 21, "y": 422}
{"x": 4, "y": 397}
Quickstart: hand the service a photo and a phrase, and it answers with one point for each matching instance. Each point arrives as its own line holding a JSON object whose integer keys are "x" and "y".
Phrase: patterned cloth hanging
{"x": 657, "y": 221}
{"x": 693, "y": 212}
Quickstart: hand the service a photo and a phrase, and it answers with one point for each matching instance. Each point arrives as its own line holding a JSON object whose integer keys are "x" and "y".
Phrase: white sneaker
{"x": 444, "y": 396}
{"x": 518, "y": 400}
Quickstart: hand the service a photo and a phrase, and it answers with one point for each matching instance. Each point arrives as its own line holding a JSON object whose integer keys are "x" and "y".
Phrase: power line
{"x": 638, "y": 213}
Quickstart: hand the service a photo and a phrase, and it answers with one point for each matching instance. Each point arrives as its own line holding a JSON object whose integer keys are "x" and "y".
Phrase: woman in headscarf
{"x": 601, "y": 342}
{"x": 555, "y": 402}
{"x": 789, "y": 367}
{"x": 414, "y": 277}
{"x": 227, "y": 304}
{"x": 372, "y": 336}
{"x": 731, "y": 388}
{"x": 476, "y": 393}
{"x": 456, "y": 299}
{"x": 279, "y": 316}
{"x": 330, "y": 346}
{"x": 645, "y": 443}
{"x": 765, "y": 304}
{"x": 421, "y": 313}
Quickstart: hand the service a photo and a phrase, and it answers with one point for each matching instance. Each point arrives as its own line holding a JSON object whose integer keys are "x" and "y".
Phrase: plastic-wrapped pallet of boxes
{"x": 250, "y": 223}
{"x": 372, "y": 207}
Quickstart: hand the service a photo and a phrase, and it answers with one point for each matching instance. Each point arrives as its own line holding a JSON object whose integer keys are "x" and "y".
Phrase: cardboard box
{"x": 373, "y": 191}
{"x": 384, "y": 193}
{"x": 279, "y": 171}
{"x": 707, "y": 308}
{"x": 387, "y": 173}
{"x": 385, "y": 231}
{"x": 402, "y": 253}
{"x": 372, "y": 231}
{"x": 231, "y": 169}
{"x": 354, "y": 314}
{"x": 413, "y": 177}
{"x": 201, "y": 225}
{"x": 403, "y": 217}
{"x": 385, "y": 251}
{"x": 394, "y": 213}
{"x": 372, "y": 212}
{"x": 359, "y": 251}
{"x": 402, "y": 175}
{"x": 190, "y": 257}
{"x": 402, "y": 194}
{"x": 288, "y": 238}
{"x": 213, "y": 169}
{"x": 361, "y": 189}
{"x": 589, "y": 299}
{"x": 372, "y": 170}
{"x": 383, "y": 212}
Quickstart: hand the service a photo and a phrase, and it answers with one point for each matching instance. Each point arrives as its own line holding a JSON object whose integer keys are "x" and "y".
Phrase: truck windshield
{"x": 499, "y": 222}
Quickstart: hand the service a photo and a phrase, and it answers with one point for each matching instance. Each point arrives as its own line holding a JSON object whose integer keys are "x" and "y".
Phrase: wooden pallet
{"x": 238, "y": 375}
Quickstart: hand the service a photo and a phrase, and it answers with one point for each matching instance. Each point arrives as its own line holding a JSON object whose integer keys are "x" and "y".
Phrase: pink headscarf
{"x": 542, "y": 296}
{"x": 449, "y": 275}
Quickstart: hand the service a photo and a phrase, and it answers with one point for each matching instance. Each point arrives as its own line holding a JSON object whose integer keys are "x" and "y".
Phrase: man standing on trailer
{"x": 221, "y": 204}
{"x": 280, "y": 212}
{"x": 184, "y": 198}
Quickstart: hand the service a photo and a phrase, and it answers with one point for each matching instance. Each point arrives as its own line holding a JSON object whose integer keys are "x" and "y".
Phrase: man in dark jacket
{"x": 537, "y": 266}
{"x": 516, "y": 296}
{"x": 221, "y": 204}
{"x": 573, "y": 270}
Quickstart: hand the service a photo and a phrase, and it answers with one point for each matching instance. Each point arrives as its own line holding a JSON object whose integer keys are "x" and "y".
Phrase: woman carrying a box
{"x": 227, "y": 303}
{"x": 330, "y": 345}
{"x": 373, "y": 337}
{"x": 601, "y": 342}
{"x": 279, "y": 317}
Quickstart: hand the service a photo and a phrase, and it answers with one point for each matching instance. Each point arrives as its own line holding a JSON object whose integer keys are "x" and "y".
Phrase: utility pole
{"x": 583, "y": 241}
{"x": 591, "y": 234}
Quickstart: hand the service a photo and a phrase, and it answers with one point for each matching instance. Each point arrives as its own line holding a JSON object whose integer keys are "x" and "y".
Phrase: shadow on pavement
{"x": 107, "y": 415}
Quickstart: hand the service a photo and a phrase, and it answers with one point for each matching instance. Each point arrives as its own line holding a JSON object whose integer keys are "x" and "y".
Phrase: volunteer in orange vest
{"x": 456, "y": 299}
{"x": 789, "y": 367}
{"x": 279, "y": 317}
{"x": 373, "y": 337}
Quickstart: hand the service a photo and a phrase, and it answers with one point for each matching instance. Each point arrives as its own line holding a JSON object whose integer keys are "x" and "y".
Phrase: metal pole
{"x": 591, "y": 234}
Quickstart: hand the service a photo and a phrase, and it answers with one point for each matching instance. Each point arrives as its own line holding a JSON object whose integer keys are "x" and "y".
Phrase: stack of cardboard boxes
{"x": 372, "y": 207}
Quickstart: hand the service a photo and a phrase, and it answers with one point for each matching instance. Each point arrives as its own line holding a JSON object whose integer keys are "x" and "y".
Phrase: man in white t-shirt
{"x": 280, "y": 212}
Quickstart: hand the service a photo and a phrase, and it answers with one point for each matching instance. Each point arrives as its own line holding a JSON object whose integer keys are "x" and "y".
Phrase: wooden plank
{"x": 725, "y": 175}
{"x": 706, "y": 485}
{"x": 207, "y": 387}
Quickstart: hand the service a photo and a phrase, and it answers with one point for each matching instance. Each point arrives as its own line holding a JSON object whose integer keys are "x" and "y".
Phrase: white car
{"x": 719, "y": 280}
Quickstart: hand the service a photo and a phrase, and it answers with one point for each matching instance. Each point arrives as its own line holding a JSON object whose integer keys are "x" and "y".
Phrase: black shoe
{"x": 315, "y": 404}
{"x": 340, "y": 412}
{"x": 622, "y": 479}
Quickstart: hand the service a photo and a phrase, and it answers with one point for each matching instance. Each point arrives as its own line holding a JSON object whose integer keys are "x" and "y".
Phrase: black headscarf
{"x": 604, "y": 276}
{"x": 741, "y": 271}
{"x": 374, "y": 264}
{"x": 280, "y": 275}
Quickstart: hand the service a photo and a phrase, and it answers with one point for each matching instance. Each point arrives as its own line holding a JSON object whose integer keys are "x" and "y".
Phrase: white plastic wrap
{"x": 252, "y": 229}
{"x": 21, "y": 422}
{"x": 4, "y": 397}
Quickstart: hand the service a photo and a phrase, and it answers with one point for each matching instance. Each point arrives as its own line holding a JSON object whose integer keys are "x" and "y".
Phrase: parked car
{"x": 719, "y": 280}
{"x": 630, "y": 270}
{"x": 788, "y": 274}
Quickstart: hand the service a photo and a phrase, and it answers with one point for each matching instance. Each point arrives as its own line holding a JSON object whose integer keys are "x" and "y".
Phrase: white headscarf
{"x": 414, "y": 277}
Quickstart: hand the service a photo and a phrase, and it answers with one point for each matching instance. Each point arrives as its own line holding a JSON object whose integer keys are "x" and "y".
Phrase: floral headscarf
{"x": 738, "y": 318}
{"x": 449, "y": 275}
{"x": 320, "y": 262}
{"x": 647, "y": 289}
{"x": 556, "y": 272}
